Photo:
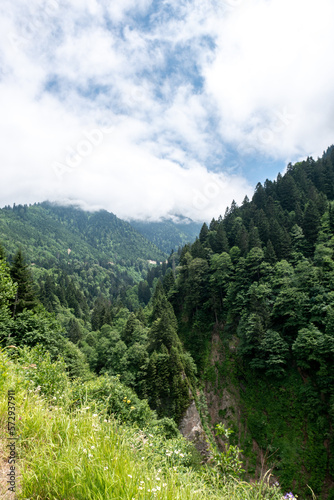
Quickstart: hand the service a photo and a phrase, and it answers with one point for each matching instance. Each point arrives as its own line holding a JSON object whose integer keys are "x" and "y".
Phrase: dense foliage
{"x": 264, "y": 274}
{"x": 98, "y": 440}
{"x": 261, "y": 277}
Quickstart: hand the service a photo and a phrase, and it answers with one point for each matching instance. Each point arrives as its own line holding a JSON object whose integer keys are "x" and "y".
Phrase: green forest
{"x": 241, "y": 321}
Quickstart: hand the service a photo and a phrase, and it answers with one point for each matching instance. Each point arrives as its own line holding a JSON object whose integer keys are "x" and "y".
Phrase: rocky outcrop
{"x": 191, "y": 428}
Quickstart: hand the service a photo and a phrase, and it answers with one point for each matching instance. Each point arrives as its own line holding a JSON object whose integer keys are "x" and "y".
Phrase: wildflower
{"x": 129, "y": 475}
{"x": 143, "y": 458}
{"x": 132, "y": 407}
{"x": 105, "y": 420}
{"x": 141, "y": 482}
{"x": 84, "y": 450}
{"x": 54, "y": 397}
{"x": 89, "y": 455}
{"x": 181, "y": 455}
{"x": 92, "y": 447}
{"x": 129, "y": 401}
{"x": 158, "y": 488}
{"x": 289, "y": 495}
{"x": 95, "y": 415}
{"x": 105, "y": 468}
{"x": 140, "y": 488}
{"x": 164, "y": 485}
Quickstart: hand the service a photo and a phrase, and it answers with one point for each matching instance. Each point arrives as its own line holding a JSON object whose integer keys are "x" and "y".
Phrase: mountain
{"x": 169, "y": 234}
{"x": 254, "y": 299}
{"x": 99, "y": 253}
{"x": 52, "y": 230}
{"x": 235, "y": 329}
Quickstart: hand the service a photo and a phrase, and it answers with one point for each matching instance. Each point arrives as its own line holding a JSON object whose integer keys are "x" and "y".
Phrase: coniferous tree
{"x": 203, "y": 233}
{"x": 74, "y": 331}
{"x": 311, "y": 224}
{"x": 2, "y": 253}
{"x": 168, "y": 281}
{"x": 221, "y": 239}
{"x": 128, "y": 330}
{"x": 144, "y": 293}
{"x": 25, "y": 296}
{"x": 269, "y": 253}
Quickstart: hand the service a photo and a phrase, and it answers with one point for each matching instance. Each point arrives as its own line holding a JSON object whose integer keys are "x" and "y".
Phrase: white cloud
{"x": 198, "y": 77}
{"x": 273, "y": 58}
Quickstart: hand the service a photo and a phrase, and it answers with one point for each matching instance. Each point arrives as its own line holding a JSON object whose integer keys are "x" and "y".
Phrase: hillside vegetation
{"x": 241, "y": 321}
{"x": 167, "y": 234}
{"x": 97, "y": 440}
{"x": 263, "y": 278}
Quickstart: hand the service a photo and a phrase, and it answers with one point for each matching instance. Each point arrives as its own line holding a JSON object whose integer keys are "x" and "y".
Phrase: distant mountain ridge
{"x": 169, "y": 234}
{"x": 56, "y": 229}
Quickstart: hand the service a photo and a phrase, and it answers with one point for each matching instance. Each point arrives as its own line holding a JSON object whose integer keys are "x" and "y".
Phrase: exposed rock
{"x": 191, "y": 428}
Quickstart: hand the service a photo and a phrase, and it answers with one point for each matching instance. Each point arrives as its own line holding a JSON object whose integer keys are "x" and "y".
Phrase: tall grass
{"x": 80, "y": 451}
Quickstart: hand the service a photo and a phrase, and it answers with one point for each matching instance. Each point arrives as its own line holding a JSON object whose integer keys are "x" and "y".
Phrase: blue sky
{"x": 151, "y": 108}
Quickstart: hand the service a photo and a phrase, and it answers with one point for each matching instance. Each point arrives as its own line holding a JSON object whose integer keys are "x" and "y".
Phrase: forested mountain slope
{"x": 242, "y": 320}
{"x": 168, "y": 234}
{"x": 47, "y": 231}
{"x": 254, "y": 297}
{"x": 97, "y": 252}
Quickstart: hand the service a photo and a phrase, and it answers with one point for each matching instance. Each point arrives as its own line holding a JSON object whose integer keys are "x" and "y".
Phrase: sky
{"x": 154, "y": 108}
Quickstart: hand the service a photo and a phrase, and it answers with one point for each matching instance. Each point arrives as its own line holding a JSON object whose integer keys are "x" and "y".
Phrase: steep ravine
{"x": 283, "y": 443}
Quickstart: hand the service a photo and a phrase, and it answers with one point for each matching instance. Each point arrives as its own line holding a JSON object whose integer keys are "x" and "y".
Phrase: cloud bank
{"x": 140, "y": 107}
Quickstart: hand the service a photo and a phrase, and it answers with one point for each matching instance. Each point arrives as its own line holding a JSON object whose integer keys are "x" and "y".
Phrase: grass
{"x": 80, "y": 451}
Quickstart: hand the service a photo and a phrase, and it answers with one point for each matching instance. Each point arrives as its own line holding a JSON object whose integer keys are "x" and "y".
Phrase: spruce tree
{"x": 269, "y": 254}
{"x": 74, "y": 331}
{"x": 311, "y": 224}
{"x": 2, "y": 253}
{"x": 25, "y": 296}
{"x": 203, "y": 233}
